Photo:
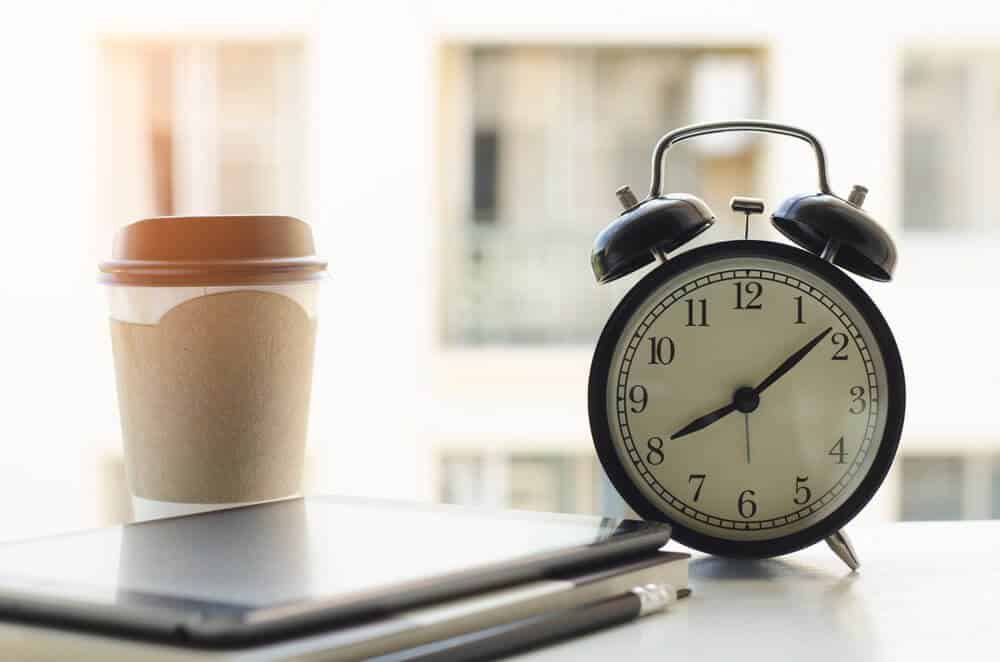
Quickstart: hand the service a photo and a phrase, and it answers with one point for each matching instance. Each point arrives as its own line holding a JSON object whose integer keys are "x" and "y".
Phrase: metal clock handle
{"x": 708, "y": 128}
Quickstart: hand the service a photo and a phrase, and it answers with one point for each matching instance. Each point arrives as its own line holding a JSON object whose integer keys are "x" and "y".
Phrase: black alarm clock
{"x": 747, "y": 392}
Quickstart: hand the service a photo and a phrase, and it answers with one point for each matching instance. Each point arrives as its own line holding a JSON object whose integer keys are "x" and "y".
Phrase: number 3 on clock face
{"x": 748, "y": 393}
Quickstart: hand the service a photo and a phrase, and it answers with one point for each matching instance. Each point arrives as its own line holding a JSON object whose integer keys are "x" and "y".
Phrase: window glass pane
{"x": 462, "y": 480}
{"x": 259, "y": 141}
{"x": 995, "y": 490}
{"x": 205, "y": 127}
{"x": 932, "y": 488}
{"x": 557, "y": 482}
{"x": 950, "y": 121}
{"x": 540, "y": 483}
{"x": 484, "y": 176}
{"x": 551, "y": 133}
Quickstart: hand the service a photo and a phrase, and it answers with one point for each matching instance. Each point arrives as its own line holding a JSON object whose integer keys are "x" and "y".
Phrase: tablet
{"x": 264, "y": 572}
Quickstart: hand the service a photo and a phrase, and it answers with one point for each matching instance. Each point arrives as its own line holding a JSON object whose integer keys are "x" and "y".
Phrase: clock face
{"x": 750, "y": 394}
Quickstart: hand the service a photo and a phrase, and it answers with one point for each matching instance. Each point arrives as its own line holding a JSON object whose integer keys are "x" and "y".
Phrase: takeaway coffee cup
{"x": 213, "y": 325}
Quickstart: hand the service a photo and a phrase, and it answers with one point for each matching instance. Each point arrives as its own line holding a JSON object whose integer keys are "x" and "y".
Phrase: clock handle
{"x": 842, "y": 547}
{"x": 760, "y": 126}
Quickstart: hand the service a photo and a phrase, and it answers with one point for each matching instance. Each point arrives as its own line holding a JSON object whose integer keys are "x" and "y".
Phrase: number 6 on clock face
{"x": 750, "y": 394}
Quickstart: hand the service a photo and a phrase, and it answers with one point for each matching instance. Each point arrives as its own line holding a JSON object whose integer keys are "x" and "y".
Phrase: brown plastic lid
{"x": 213, "y": 250}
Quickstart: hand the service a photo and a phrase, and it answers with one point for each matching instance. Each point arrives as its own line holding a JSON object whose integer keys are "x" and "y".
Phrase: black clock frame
{"x": 895, "y": 394}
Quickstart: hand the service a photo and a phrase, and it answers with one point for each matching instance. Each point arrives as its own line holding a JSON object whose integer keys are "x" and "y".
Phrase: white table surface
{"x": 924, "y": 591}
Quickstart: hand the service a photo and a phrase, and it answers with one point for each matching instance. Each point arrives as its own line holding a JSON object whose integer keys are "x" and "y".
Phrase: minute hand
{"x": 791, "y": 361}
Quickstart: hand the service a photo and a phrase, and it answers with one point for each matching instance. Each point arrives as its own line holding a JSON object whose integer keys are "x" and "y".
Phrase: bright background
{"x": 456, "y": 159}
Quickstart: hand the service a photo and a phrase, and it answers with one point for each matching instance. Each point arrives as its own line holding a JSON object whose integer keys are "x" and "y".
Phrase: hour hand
{"x": 705, "y": 421}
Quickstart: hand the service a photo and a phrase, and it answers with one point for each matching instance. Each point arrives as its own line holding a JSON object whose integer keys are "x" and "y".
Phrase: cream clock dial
{"x": 748, "y": 393}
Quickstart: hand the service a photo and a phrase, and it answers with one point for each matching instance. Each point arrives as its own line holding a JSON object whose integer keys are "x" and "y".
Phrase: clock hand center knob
{"x": 746, "y": 399}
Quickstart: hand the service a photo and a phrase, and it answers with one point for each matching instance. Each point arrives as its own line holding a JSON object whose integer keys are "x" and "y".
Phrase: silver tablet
{"x": 278, "y": 569}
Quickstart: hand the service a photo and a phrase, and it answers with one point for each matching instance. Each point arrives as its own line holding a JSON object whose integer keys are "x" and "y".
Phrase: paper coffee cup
{"x": 213, "y": 326}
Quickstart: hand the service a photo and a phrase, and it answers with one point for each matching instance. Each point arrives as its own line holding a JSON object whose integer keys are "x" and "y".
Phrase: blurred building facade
{"x": 456, "y": 160}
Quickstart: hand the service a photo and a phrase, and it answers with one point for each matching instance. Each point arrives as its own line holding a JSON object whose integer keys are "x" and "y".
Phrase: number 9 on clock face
{"x": 750, "y": 394}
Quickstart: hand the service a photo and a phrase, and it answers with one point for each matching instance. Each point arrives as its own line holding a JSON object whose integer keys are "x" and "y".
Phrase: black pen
{"x": 518, "y": 636}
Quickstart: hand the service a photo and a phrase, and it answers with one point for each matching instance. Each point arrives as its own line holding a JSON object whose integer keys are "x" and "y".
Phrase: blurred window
{"x": 540, "y": 139}
{"x": 202, "y": 128}
{"x": 951, "y": 134}
{"x": 543, "y": 483}
{"x": 552, "y": 482}
{"x": 995, "y": 491}
{"x": 932, "y": 488}
{"x": 484, "y": 175}
{"x": 462, "y": 480}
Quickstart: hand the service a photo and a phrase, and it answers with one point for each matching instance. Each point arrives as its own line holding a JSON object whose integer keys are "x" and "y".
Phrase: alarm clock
{"x": 749, "y": 393}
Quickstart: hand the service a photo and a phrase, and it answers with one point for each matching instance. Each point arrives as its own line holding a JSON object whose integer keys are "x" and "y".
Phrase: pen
{"x": 520, "y": 635}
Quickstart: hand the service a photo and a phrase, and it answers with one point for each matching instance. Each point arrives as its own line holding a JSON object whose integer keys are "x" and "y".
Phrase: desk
{"x": 925, "y": 591}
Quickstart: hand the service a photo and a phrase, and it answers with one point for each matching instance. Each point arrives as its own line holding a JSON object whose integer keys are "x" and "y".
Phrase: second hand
{"x": 746, "y": 429}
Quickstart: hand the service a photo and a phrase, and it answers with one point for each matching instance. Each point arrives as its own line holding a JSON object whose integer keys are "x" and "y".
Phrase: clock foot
{"x": 842, "y": 547}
